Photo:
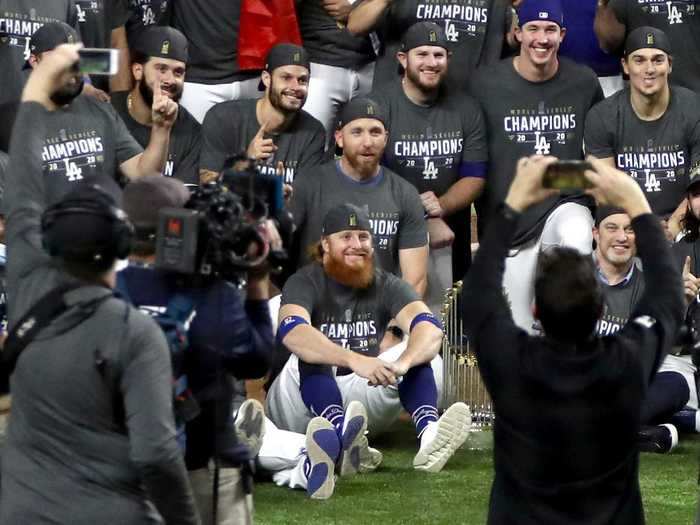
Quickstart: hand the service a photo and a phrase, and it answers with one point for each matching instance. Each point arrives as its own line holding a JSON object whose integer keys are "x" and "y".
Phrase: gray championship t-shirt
{"x": 352, "y": 318}
{"x": 619, "y": 300}
{"x": 211, "y": 28}
{"x": 84, "y": 139}
{"x": 525, "y": 118}
{"x": 394, "y": 208}
{"x": 474, "y": 29}
{"x": 229, "y": 128}
{"x": 329, "y": 42}
{"x": 19, "y": 19}
{"x": 185, "y": 140}
{"x": 679, "y": 20}
{"x": 658, "y": 154}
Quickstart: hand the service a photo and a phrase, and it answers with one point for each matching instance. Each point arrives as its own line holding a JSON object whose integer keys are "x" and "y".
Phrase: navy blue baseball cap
{"x": 541, "y": 11}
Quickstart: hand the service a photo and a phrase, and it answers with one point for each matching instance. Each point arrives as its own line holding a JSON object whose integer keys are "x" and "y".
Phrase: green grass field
{"x": 395, "y": 493}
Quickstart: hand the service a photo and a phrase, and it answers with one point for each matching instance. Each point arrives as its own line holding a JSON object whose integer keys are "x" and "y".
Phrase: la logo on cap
{"x": 352, "y": 220}
{"x": 370, "y": 109}
{"x": 543, "y": 14}
{"x": 165, "y": 48}
{"x": 650, "y": 39}
{"x": 432, "y": 36}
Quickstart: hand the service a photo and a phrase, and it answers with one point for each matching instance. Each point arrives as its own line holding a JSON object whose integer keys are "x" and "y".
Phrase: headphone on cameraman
{"x": 120, "y": 236}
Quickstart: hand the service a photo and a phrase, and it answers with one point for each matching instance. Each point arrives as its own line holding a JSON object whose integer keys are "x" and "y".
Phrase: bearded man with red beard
{"x": 333, "y": 316}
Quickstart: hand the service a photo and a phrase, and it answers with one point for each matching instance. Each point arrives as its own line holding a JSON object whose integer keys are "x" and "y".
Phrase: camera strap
{"x": 48, "y": 308}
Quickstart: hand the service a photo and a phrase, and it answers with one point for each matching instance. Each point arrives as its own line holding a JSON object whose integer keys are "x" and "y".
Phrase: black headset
{"x": 120, "y": 236}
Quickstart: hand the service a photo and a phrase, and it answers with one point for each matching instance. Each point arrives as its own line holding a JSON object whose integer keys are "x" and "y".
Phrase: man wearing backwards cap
{"x": 622, "y": 283}
{"x": 616, "y": 19}
{"x": 334, "y": 313}
{"x": 393, "y": 204}
{"x": 535, "y": 104}
{"x": 650, "y": 129}
{"x": 87, "y": 138}
{"x": 274, "y": 130}
{"x": 437, "y": 141}
{"x": 158, "y": 61}
{"x": 94, "y": 388}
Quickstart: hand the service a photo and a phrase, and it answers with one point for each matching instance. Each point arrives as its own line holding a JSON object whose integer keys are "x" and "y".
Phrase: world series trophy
{"x": 461, "y": 376}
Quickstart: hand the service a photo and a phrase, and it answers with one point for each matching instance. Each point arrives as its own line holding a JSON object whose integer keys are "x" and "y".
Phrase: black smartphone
{"x": 95, "y": 61}
{"x": 567, "y": 175}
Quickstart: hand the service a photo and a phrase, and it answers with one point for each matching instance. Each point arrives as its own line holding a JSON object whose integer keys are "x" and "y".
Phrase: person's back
{"x": 567, "y": 405}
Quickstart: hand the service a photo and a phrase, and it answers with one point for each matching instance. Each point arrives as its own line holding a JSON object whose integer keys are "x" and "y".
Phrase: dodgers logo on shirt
{"x": 70, "y": 154}
{"x": 673, "y": 11}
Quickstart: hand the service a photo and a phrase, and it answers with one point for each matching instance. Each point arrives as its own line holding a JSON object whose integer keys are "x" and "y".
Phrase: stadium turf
{"x": 459, "y": 494}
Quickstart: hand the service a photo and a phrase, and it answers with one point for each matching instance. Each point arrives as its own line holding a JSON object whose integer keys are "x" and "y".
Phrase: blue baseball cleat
{"x": 322, "y": 449}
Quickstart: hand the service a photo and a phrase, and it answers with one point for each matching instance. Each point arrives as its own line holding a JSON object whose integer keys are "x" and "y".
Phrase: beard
{"x": 277, "y": 101}
{"x": 414, "y": 77}
{"x": 67, "y": 93}
{"x": 359, "y": 277}
{"x": 147, "y": 93}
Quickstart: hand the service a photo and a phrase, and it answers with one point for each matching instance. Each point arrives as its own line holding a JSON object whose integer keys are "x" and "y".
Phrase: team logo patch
{"x": 71, "y": 39}
{"x": 165, "y": 48}
{"x": 296, "y": 57}
{"x": 370, "y": 109}
{"x": 650, "y": 39}
{"x": 543, "y": 14}
{"x": 432, "y": 36}
{"x": 352, "y": 220}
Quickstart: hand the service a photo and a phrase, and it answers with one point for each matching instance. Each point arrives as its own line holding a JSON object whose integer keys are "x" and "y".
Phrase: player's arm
{"x": 152, "y": 160}
{"x": 365, "y": 16}
{"x": 608, "y": 28}
{"x": 425, "y": 336}
{"x": 461, "y": 194}
{"x": 311, "y": 346}
{"x": 122, "y": 80}
{"x": 413, "y": 263}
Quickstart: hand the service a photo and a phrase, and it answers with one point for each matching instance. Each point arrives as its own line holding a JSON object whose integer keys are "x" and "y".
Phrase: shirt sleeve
{"x": 314, "y": 152}
{"x": 475, "y": 147}
{"x": 397, "y": 294}
{"x": 413, "y": 231}
{"x": 119, "y": 14}
{"x": 300, "y": 290}
{"x": 216, "y": 137}
{"x": 598, "y": 140}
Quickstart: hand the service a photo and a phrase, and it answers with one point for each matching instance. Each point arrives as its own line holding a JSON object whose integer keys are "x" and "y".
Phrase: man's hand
{"x": 526, "y": 188}
{"x": 440, "y": 234}
{"x": 91, "y": 91}
{"x": 615, "y": 188}
{"x": 261, "y": 148}
{"x": 164, "y": 110}
{"x": 376, "y": 371}
{"x": 431, "y": 204}
{"x": 50, "y": 74}
{"x": 691, "y": 284}
{"x": 338, "y": 9}
{"x": 400, "y": 367}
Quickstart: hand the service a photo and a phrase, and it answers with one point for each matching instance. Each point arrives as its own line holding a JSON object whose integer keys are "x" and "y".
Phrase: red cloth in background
{"x": 265, "y": 23}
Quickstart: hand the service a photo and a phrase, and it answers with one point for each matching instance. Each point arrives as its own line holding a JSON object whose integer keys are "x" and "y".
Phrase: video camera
{"x": 217, "y": 233}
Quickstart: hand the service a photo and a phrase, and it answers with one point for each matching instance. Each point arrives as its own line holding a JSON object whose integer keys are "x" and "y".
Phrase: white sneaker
{"x": 353, "y": 441}
{"x": 441, "y": 439}
{"x": 250, "y": 425}
{"x": 370, "y": 458}
{"x": 322, "y": 449}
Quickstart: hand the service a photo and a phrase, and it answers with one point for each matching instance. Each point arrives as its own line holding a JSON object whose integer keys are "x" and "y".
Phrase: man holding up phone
{"x": 649, "y": 130}
{"x": 85, "y": 137}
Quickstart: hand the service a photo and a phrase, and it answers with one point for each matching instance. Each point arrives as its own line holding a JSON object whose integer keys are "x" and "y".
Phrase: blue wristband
{"x": 288, "y": 324}
{"x": 427, "y": 317}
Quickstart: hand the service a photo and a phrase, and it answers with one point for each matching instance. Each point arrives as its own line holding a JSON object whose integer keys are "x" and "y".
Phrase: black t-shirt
{"x": 394, "y": 208}
{"x": 658, "y": 154}
{"x": 680, "y": 21}
{"x": 211, "y": 28}
{"x": 19, "y": 19}
{"x": 525, "y": 118}
{"x": 229, "y": 127}
{"x": 619, "y": 301}
{"x": 474, "y": 28}
{"x": 185, "y": 140}
{"x": 85, "y": 139}
{"x": 144, "y": 13}
{"x": 352, "y": 318}
{"x": 327, "y": 42}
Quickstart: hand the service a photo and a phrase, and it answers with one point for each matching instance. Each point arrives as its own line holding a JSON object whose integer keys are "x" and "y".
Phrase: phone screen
{"x": 567, "y": 175}
{"x": 98, "y": 61}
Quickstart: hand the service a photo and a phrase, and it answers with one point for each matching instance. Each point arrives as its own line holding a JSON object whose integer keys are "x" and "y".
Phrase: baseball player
{"x": 334, "y": 314}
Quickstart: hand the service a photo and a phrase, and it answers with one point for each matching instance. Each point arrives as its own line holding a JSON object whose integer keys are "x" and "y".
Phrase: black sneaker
{"x": 659, "y": 439}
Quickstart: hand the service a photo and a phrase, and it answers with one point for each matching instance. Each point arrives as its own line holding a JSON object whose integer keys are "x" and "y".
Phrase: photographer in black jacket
{"x": 568, "y": 404}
